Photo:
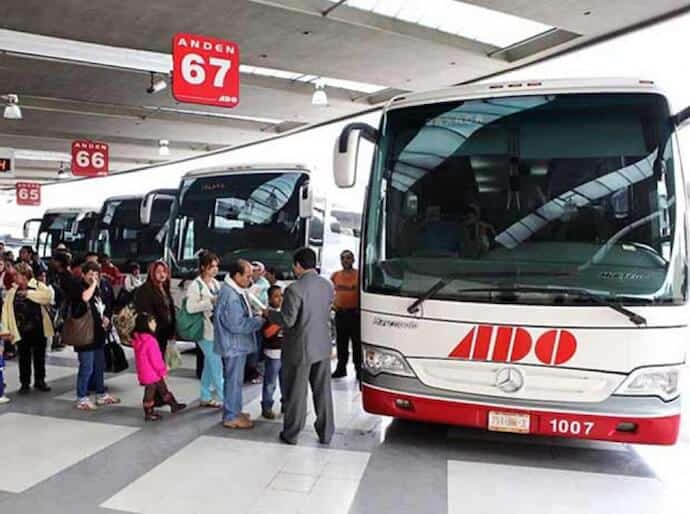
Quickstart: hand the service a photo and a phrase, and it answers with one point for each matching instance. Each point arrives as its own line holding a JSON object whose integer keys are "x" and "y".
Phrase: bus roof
{"x": 525, "y": 87}
{"x": 247, "y": 168}
{"x": 70, "y": 210}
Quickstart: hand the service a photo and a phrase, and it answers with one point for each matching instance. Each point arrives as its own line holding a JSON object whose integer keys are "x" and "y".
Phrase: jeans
{"x": 91, "y": 364}
{"x": 2, "y": 377}
{"x": 212, "y": 374}
{"x": 234, "y": 374}
{"x": 271, "y": 379}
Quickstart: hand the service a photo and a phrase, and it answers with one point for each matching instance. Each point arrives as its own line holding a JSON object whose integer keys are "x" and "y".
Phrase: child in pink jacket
{"x": 151, "y": 369}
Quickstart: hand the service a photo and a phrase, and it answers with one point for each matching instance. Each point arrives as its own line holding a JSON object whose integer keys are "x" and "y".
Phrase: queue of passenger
{"x": 240, "y": 322}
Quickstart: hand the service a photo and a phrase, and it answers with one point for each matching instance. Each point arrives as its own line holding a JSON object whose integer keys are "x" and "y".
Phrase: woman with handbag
{"x": 25, "y": 317}
{"x": 85, "y": 329}
{"x": 201, "y": 298}
{"x": 154, "y": 297}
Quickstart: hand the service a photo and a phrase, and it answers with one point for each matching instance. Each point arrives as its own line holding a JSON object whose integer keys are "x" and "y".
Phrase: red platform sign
{"x": 206, "y": 70}
{"x": 28, "y": 193}
{"x": 89, "y": 159}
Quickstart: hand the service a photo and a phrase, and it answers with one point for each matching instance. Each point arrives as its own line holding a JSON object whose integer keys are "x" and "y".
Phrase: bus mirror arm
{"x": 682, "y": 118}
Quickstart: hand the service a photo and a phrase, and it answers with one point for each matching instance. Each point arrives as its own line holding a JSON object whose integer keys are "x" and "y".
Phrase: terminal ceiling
{"x": 365, "y": 51}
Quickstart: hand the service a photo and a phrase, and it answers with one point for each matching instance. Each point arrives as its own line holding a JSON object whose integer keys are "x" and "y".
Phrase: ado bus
{"x": 525, "y": 259}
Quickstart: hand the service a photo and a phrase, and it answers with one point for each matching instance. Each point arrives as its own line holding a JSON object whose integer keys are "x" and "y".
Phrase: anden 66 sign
{"x": 206, "y": 70}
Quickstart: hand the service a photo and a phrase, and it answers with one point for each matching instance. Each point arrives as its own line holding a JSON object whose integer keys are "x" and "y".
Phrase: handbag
{"x": 173, "y": 359}
{"x": 115, "y": 359}
{"x": 190, "y": 327}
{"x": 79, "y": 332}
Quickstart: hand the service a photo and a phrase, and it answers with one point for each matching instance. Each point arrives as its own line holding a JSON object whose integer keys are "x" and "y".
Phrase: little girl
{"x": 151, "y": 369}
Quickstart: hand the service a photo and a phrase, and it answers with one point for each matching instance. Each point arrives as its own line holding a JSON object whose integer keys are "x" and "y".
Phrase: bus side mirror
{"x": 306, "y": 202}
{"x": 682, "y": 119}
{"x": 346, "y": 151}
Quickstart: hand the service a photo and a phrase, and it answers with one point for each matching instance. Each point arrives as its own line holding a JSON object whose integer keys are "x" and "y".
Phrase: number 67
{"x": 194, "y": 73}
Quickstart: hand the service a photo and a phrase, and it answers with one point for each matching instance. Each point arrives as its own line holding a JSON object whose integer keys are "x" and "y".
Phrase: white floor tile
{"x": 52, "y": 373}
{"x": 47, "y": 446}
{"x": 232, "y": 475}
{"x": 347, "y": 405}
{"x": 126, "y": 387}
{"x": 293, "y": 482}
{"x": 489, "y": 488}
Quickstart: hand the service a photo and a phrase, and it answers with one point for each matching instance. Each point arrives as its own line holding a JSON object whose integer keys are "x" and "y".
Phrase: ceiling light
{"x": 157, "y": 85}
{"x": 163, "y": 147}
{"x": 12, "y": 109}
{"x": 319, "y": 98}
{"x": 62, "y": 171}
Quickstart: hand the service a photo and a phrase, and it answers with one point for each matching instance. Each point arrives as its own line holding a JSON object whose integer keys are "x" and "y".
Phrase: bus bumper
{"x": 560, "y": 421}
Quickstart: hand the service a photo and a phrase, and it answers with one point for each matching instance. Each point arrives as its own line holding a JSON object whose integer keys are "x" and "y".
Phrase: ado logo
{"x": 512, "y": 344}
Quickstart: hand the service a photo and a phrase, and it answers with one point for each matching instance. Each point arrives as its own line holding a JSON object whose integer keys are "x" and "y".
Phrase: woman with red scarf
{"x": 154, "y": 298}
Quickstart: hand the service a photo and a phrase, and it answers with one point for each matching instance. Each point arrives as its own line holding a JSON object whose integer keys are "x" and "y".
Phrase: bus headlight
{"x": 379, "y": 360}
{"x": 662, "y": 381}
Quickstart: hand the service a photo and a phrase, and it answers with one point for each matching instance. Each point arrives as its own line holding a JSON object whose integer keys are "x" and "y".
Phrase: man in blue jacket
{"x": 235, "y": 329}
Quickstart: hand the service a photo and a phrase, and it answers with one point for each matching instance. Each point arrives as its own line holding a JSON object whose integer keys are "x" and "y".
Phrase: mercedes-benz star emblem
{"x": 510, "y": 380}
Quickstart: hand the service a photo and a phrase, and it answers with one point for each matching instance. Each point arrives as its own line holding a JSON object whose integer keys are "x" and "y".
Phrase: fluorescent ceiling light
{"x": 456, "y": 18}
{"x": 257, "y": 119}
{"x": 23, "y": 43}
{"x": 351, "y": 85}
{"x": 41, "y": 155}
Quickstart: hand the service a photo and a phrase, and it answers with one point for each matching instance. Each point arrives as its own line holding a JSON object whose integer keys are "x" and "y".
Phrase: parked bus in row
{"x": 133, "y": 227}
{"x": 255, "y": 212}
{"x": 72, "y": 227}
{"x": 524, "y": 259}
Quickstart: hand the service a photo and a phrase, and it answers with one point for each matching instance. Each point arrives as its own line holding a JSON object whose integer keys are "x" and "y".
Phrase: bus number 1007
{"x": 567, "y": 427}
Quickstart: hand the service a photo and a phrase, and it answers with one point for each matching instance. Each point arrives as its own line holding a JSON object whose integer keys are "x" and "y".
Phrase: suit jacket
{"x": 234, "y": 327}
{"x": 305, "y": 318}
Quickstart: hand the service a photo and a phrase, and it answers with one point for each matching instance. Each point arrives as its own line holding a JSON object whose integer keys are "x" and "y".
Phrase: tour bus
{"x": 255, "y": 212}
{"x": 71, "y": 226}
{"x": 133, "y": 227}
{"x": 525, "y": 259}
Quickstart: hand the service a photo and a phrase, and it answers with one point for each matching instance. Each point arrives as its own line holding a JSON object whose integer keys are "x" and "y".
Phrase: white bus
{"x": 254, "y": 212}
{"x": 524, "y": 259}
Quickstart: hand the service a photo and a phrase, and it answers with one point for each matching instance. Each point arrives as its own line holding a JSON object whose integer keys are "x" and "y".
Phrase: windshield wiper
{"x": 414, "y": 307}
{"x": 583, "y": 293}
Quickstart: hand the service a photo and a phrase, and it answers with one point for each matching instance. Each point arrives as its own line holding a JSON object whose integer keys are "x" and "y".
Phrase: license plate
{"x": 509, "y": 422}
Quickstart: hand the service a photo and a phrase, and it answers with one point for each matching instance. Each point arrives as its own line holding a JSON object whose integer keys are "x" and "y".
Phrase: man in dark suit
{"x": 306, "y": 352}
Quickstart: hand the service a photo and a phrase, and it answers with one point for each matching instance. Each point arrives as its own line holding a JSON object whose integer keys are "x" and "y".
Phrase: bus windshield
{"x": 568, "y": 190}
{"x": 239, "y": 215}
{"x": 122, "y": 236}
{"x": 56, "y": 228}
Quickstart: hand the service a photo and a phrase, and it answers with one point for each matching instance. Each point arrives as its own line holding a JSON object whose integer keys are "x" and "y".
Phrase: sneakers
{"x": 85, "y": 404}
{"x": 4, "y": 400}
{"x": 268, "y": 414}
{"x": 240, "y": 422}
{"x": 107, "y": 399}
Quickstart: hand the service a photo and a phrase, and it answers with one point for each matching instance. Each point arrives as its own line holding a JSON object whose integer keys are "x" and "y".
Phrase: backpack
{"x": 123, "y": 322}
{"x": 190, "y": 327}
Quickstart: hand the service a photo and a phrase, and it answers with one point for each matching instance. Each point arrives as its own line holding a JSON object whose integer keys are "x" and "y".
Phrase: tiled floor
{"x": 36, "y": 447}
{"x": 56, "y": 459}
{"x": 248, "y": 477}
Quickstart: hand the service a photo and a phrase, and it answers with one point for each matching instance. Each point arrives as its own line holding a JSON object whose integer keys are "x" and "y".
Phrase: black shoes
{"x": 43, "y": 387}
{"x": 339, "y": 373}
{"x": 284, "y": 440}
{"x": 25, "y": 389}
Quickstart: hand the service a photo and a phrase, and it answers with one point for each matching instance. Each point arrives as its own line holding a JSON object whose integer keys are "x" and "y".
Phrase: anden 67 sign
{"x": 206, "y": 70}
